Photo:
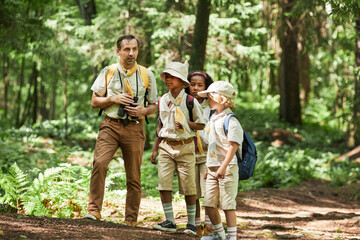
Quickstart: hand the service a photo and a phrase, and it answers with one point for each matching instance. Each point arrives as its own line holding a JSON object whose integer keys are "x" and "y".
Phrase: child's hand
{"x": 178, "y": 125}
{"x": 220, "y": 173}
{"x": 205, "y": 174}
{"x": 153, "y": 157}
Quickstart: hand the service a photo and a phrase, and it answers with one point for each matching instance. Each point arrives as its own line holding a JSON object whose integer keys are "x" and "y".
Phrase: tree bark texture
{"x": 290, "y": 109}
{"x": 356, "y": 117}
{"x": 198, "y": 48}
{"x": 21, "y": 84}
{"x": 35, "y": 96}
{"x": 6, "y": 63}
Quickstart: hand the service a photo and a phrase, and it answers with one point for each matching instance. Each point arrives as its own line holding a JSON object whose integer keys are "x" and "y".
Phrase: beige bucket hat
{"x": 221, "y": 87}
{"x": 176, "y": 69}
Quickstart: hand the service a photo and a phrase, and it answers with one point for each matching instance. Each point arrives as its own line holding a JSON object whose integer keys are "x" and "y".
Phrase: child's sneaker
{"x": 190, "y": 229}
{"x": 166, "y": 226}
{"x": 213, "y": 236}
{"x": 208, "y": 229}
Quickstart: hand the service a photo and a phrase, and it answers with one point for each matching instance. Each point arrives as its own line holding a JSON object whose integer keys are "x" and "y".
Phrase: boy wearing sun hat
{"x": 222, "y": 169}
{"x": 174, "y": 138}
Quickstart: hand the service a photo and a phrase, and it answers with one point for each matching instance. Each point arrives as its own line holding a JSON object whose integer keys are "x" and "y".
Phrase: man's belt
{"x": 178, "y": 142}
{"x": 123, "y": 121}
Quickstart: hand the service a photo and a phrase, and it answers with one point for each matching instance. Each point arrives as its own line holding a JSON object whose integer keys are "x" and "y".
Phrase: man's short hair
{"x": 126, "y": 37}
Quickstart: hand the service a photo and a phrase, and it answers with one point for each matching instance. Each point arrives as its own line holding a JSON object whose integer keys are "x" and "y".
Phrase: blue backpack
{"x": 247, "y": 161}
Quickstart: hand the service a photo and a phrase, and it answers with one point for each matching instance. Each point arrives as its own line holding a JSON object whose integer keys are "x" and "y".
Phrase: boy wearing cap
{"x": 222, "y": 169}
{"x": 177, "y": 149}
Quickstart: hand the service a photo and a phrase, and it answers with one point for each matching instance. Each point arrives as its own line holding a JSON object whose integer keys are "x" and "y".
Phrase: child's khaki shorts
{"x": 181, "y": 158}
{"x": 223, "y": 190}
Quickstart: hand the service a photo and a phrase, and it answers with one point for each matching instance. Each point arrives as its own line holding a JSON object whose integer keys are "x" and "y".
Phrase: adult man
{"x": 123, "y": 101}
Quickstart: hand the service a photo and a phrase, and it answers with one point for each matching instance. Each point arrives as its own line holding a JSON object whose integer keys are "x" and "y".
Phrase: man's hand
{"x": 153, "y": 157}
{"x": 137, "y": 110}
{"x": 122, "y": 98}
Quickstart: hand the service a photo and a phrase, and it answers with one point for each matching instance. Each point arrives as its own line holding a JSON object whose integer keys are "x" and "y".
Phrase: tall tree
{"x": 87, "y": 10}
{"x": 290, "y": 109}
{"x": 356, "y": 116}
{"x": 198, "y": 48}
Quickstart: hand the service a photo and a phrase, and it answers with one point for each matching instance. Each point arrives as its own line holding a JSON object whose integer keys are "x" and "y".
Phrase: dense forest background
{"x": 294, "y": 64}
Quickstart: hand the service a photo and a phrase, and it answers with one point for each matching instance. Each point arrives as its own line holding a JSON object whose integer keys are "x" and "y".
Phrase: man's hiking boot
{"x": 200, "y": 230}
{"x": 208, "y": 229}
{"x": 213, "y": 236}
{"x": 190, "y": 229}
{"x": 166, "y": 226}
{"x": 93, "y": 215}
{"x": 131, "y": 223}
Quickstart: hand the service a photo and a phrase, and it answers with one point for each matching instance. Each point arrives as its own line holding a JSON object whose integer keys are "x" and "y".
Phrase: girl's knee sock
{"x": 197, "y": 221}
{"x": 208, "y": 221}
{"x": 220, "y": 230}
{"x": 232, "y": 232}
{"x": 168, "y": 210}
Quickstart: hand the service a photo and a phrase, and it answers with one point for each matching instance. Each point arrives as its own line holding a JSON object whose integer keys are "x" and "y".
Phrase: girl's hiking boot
{"x": 213, "y": 236}
{"x": 200, "y": 230}
{"x": 208, "y": 229}
{"x": 166, "y": 226}
{"x": 190, "y": 229}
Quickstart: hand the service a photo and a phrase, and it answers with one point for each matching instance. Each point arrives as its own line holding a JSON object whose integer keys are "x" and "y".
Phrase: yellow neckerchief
{"x": 179, "y": 115}
{"x": 127, "y": 74}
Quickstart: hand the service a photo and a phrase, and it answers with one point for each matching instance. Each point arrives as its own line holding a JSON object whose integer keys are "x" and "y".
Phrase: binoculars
{"x": 121, "y": 112}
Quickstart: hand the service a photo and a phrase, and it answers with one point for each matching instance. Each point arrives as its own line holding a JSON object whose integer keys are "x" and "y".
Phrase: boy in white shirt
{"x": 174, "y": 138}
{"x": 222, "y": 175}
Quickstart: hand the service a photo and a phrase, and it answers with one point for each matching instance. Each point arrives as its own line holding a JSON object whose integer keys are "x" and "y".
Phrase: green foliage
{"x": 344, "y": 172}
{"x": 14, "y": 184}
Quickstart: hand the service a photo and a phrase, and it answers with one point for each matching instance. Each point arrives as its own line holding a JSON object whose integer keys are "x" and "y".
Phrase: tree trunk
{"x": 35, "y": 95}
{"x": 44, "y": 113}
{"x": 356, "y": 117}
{"x": 87, "y": 10}
{"x": 198, "y": 48}
{"x": 65, "y": 97}
{"x": 30, "y": 96}
{"x": 18, "y": 99}
{"x": 304, "y": 67}
{"x": 6, "y": 63}
{"x": 290, "y": 110}
{"x": 53, "y": 99}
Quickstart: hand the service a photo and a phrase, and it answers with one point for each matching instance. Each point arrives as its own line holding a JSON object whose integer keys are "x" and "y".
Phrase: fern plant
{"x": 15, "y": 185}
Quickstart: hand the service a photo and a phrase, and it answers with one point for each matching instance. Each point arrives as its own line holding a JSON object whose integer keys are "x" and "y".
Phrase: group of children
{"x": 194, "y": 145}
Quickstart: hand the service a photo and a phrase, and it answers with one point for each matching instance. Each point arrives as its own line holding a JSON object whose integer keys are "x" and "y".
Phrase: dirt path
{"x": 309, "y": 211}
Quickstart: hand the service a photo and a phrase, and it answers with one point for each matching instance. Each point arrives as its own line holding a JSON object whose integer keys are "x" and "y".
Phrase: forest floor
{"x": 312, "y": 210}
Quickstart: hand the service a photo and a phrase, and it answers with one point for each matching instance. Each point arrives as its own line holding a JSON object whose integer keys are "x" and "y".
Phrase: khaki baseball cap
{"x": 176, "y": 69}
{"x": 221, "y": 87}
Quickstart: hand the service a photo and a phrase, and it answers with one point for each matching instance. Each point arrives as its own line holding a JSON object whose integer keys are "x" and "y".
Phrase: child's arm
{"x": 196, "y": 126}
{"x": 220, "y": 173}
{"x": 156, "y": 144}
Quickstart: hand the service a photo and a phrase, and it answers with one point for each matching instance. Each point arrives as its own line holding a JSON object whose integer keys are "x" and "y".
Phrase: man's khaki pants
{"x": 131, "y": 140}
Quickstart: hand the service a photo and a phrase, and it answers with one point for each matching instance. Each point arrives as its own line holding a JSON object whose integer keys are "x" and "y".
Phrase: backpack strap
{"x": 190, "y": 106}
{"x": 145, "y": 79}
{"x": 144, "y": 76}
{"x": 110, "y": 73}
{"x": 226, "y": 130}
{"x": 226, "y": 122}
{"x": 212, "y": 112}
